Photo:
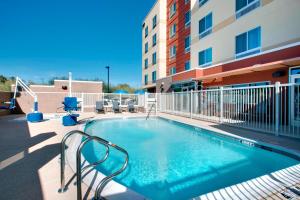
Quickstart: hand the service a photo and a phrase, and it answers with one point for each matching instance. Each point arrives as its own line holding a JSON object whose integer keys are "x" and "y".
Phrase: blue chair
{"x": 70, "y": 104}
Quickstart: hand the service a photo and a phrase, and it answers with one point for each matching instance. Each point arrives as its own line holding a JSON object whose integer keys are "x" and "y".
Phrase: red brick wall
{"x": 178, "y": 39}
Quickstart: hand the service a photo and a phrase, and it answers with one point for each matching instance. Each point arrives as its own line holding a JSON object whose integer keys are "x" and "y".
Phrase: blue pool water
{"x": 170, "y": 160}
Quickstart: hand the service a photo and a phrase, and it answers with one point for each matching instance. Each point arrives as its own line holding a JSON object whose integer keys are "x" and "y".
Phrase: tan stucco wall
{"x": 159, "y": 9}
{"x": 77, "y": 86}
{"x": 278, "y": 19}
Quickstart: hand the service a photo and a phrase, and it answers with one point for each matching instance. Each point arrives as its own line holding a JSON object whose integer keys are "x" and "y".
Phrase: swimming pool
{"x": 171, "y": 160}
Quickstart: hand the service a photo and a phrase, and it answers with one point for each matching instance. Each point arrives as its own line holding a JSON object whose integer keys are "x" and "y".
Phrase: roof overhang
{"x": 255, "y": 68}
{"x": 149, "y": 86}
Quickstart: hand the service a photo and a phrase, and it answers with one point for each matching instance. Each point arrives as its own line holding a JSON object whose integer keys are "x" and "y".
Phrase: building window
{"x": 243, "y": 7}
{"x": 172, "y": 30}
{"x": 146, "y": 47}
{"x": 173, "y": 9}
{"x": 146, "y": 32}
{"x": 187, "y": 65}
{"x": 154, "y": 58}
{"x": 146, "y": 79}
{"x": 187, "y": 19}
{"x": 173, "y": 70}
{"x": 154, "y": 21}
{"x": 146, "y": 63}
{"x": 248, "y": 43}
{"x": 187, "y": 44}
{"x": 205, "y": 57}
{"x": 205, "y": 26}
{"x": 154, "y": 40}
{"x": 154, "y": 77}
{"x": 202, "y": 2}
{"x": 173, "y": 51}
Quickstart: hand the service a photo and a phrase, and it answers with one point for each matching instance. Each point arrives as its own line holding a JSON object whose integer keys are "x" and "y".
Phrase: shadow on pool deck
{"x": 19, "y": 177}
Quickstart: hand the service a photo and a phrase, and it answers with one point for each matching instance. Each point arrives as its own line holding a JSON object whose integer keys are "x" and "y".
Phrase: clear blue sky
{"x": 40, "y": 39}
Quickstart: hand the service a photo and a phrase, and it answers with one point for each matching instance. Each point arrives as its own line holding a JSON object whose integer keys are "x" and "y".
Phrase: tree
{"x": 3, "y": 79}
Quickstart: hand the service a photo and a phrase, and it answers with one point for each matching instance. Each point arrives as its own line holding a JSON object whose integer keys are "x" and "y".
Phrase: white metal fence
{"x": 88, "y": 100}
{"x": 274, "y": 108}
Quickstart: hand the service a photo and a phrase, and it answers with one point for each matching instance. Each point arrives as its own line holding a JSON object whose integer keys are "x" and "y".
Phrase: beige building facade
{"x": 277, "y": 20}
{"x": 154, "y": 46}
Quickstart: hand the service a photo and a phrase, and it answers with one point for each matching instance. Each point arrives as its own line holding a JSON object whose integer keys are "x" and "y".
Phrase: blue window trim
{"x": 248, "y": 51}
{"x": 173, "y": 11}
{"x": 146, "y": 47}
{"x": 173, "y": 70}
{"x": 171, "y": 51}
{"x": 154, "y": 22}
{"x": 154, "y": 58}
{"x": 146, "y": 79}
{"x": 208, "y": 30}
{"x": 251, "y": 5}
{"x": 187, "y": 23}
{"x": 146, "y": 63}
{"x": 206, "y": 61}
{"x": 173, "y": 27}
{"x": 154, "y": 77}
{"x": 146, "y": 32}
{"x": 154, "y": 43}
{"x": 202, "y": 2}
{"x": 185, "y": 65}
{"x": 187, "y": 49}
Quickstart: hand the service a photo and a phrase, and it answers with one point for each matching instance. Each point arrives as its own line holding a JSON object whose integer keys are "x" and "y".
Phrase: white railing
{"x": 88, "y": 100}
{"x": 273, "y": 109}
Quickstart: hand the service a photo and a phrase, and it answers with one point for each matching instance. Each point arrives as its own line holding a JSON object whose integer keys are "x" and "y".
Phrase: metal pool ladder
{"x": 79, "y": 168}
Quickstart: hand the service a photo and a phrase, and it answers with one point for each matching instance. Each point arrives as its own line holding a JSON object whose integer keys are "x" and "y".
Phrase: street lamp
{"x": 107, "y": 67}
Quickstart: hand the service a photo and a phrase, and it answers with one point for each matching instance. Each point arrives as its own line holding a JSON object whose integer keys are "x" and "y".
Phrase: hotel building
{"x": 154, "y": 46}
{"x": 233, "y": 43}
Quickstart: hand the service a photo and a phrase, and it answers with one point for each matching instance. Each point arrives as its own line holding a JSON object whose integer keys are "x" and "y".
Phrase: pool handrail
{"x": 105, "y": 180}
{"x": 63, "y": 158}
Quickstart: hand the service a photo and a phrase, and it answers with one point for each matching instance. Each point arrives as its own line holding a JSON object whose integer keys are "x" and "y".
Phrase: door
{"x": 295, "y": 100}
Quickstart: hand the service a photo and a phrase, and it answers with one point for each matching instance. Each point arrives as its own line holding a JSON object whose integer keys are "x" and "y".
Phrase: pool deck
{"x": 29, "y": 160}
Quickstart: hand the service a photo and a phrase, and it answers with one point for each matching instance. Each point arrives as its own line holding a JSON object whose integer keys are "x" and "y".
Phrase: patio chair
{"x": 100, "y": 107}
{"x": 131, "y": 107}
{"x": 116, "y": 107}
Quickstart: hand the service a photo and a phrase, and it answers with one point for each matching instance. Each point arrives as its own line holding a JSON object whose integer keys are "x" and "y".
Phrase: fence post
{"x": 82, "y": 103}
{"x": 156, "y": 103}
{"x": 191, "y": 103}
{"x": 173, "y": 102}
{"x": 221, "y": 104}
{"x": 146, "y": 101}
{"x": 277, "y": 107}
